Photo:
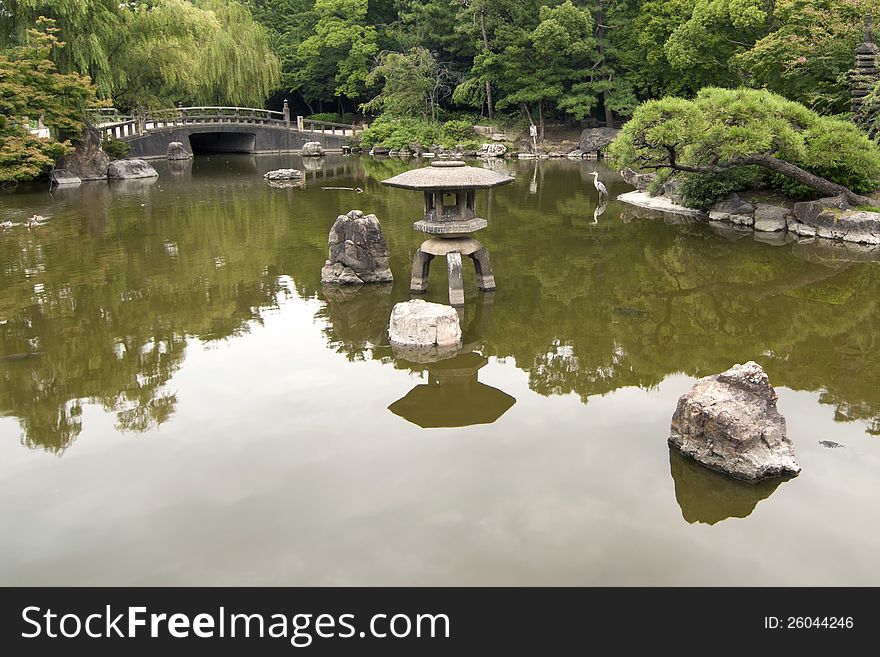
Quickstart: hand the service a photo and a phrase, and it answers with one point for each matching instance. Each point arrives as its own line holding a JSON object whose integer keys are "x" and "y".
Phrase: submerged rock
{"x": 129, "y": 169}
{"x": 729, "y": 422}
{"x": 358, "y": 252}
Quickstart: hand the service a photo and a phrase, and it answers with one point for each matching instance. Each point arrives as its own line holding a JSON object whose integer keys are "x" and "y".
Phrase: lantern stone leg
{"x": 421, "y": 264}
{"x": 485, "y": 277}
{"x": 456, "y": 284}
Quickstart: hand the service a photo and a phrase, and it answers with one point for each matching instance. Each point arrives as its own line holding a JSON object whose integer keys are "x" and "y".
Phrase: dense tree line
{"x": 573, "y": 59}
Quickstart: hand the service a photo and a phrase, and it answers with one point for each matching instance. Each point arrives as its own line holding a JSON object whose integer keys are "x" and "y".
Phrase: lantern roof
{"x": 448, "y": 174}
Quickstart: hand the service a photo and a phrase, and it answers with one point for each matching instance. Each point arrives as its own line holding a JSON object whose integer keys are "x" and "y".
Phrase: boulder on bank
{"x": 358, "y": 252}
{"x": 492, "y": 150}
{"x": 312, "y": 149}
{"x": 88, "y": 161}
{"x": 378, "y": 149}
{"x": 834, "y": 219}
{"x": 641, "y": 181}
{"x": 177, "y": 151}
{"x": 594, "y": 140}
{"x": 130, "y": 170}
{"x": 733, "y": 210}
{"x": 771, "y": 218}
{"x": 423, "y": 331}
{"x": 729, "y": 422}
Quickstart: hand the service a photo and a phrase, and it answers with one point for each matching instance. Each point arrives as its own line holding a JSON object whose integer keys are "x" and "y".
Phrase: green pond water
{"x": 195, "y": 409}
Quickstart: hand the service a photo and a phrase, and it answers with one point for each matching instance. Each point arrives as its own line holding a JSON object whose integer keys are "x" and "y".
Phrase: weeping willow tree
{"x": 154, "y": 52}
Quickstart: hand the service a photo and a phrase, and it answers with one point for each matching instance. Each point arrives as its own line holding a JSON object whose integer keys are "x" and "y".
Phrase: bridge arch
{"x": 223, "y": 129}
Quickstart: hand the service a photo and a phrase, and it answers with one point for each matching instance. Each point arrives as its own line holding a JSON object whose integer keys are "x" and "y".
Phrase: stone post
{"x": 286, "y": 111}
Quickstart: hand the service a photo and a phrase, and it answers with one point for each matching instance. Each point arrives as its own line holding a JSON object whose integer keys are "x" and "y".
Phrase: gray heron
{"x": 603, "y": 191}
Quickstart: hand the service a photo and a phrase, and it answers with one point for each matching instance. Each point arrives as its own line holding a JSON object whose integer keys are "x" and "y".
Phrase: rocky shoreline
{"x": 828, "y": 218}
{"x": 591, "y": 145}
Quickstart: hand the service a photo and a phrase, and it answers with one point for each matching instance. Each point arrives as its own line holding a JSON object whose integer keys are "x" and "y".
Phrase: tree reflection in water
{"x": 112, "y": 288}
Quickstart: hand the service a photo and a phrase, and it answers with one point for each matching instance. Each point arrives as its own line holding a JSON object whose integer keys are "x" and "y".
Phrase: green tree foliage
{"x": 31, "y": 88}
{"x": 155, "y": 52}
{"x": 335, "y": 60}
{"x": 809, "y": 53}
{"x": 412, "y": 83}
{"x": 724, "y": 129}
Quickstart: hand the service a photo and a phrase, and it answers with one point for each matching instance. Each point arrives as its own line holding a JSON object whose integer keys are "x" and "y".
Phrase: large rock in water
{"x": 88, "y": 161}
{"x": 597, "y": 139}
{"x": 729, "y": 422}
{"x": 312, "y": 149}
{"x": 358, "y": 252}
{"x": 62, "y": 177}
{"x": 283, "y": 174}
{"x": 130, "y": 169}
{"x": 177, "y": 151}
{"x": 424, "y": 332}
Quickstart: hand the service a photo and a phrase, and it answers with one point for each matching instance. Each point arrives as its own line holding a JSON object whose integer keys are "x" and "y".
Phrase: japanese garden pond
{"x": 182, "y": 403}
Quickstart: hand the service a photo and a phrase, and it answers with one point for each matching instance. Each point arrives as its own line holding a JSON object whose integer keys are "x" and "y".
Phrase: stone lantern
{"x": 450, "y": 217}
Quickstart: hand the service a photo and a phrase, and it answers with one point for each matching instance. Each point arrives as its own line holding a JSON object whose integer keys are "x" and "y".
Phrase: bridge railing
{"x": 114, "y": 125}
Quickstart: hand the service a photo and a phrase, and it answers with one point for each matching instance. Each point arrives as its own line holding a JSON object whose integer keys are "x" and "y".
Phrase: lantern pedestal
{"x": 453, "y": 249}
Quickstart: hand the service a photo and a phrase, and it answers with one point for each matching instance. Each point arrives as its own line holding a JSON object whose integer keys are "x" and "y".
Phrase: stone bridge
{"x": 221, "y": 130}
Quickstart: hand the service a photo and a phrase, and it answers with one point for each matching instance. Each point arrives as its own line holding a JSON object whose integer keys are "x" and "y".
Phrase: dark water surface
{"x": 195, "y": 409}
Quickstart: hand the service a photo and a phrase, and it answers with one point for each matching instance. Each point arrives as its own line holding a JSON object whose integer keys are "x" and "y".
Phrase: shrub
{"x": 397, "y": 132}
{"x": 702, "y": 191}
{"x": 115, "y": 149}
{"x": 456, "y": 131}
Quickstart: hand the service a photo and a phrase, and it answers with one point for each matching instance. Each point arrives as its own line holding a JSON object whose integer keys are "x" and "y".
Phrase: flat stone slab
{"x": 660, "y": 203}
{"x": 283, "y": 174}
{"x": 450, "y": 227}
{"x": 419, "y": 323}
